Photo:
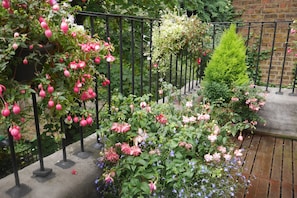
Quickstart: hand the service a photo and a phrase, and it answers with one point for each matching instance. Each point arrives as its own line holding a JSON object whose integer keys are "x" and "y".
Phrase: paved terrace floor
{"x": 271, "y": 164}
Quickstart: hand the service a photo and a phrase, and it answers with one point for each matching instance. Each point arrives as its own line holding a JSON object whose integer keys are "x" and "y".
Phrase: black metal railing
{"x": 133, "y": 72}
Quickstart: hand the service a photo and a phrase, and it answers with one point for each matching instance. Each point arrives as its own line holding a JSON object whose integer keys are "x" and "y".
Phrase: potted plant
{"x": 65, "y": 79}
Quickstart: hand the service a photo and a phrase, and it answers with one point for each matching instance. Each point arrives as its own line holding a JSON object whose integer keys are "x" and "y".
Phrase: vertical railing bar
{"x": 132, "y": 56}
{"x": 176, "y": 67}
{"x": 186, "y": 71}
{"x": 213, "y": 36}
{"x": 284, "y": 60}
{"x": 193, "y": 71}
{"x": 190, "y": 74}
{"x": 141, "y": 58}
{"x": 294, "y": 82}
{"x": 258, "y": 55}
{"x": 249, "y": 34}
{"x": 181, "y": 71}
{"x": 121, "y": 54}
{"x": 170, "y": 69}
{"x": 13, "y": 160}
{"x": 92, "y": 26}
{"x": 271, "y": 56}
{"x": 108, "y": 65}
{"x": 150, "y": 60}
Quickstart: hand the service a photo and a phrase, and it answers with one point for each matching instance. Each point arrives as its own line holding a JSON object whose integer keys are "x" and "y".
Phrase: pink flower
{"x": 161, "y": 119}
{"x": 222, "y": 149}
{"x": 227, "y": 157}
{"x": 198, "y": 61}
{"x": 143, "y": 104}
{"x": 109, "y": 58}
{"x": 234, "y": 99}
{"x": 111, "y": 155}
{"x": 216, "y": 157}
{"x": 203, "y": 117}
{"x": 135, "y": 151}
{"x": 238, "y": 153}
{"x": 289, "y": 50}
{"x": 120, "y": 128}
{"x": 212, "y": 138}
{"x": 189, "y": 104}
{"x": 108, "y": 179}
{"x": 208, "y": 157}
{"x": 188, "y": 146}
{"x": 240, "y": 137}
{"x": 125, "y": 148}
{"x": 152, "y": 186}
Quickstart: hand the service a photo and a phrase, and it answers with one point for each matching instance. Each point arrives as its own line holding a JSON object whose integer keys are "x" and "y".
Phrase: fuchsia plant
{"x": 67, "y": 78}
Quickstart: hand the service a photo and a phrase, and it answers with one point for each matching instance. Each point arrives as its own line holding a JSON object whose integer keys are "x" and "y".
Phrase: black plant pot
{"x": 24, "y": 73}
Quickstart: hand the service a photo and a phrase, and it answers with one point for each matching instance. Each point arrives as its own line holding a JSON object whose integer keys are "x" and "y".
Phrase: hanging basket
{"x": 24, "y": 73}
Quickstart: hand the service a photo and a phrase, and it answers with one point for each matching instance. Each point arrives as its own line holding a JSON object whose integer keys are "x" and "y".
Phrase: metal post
{"x": 19, "y": 190}
{"x": 65, "y": 163}
{"x": 41, "y": 172}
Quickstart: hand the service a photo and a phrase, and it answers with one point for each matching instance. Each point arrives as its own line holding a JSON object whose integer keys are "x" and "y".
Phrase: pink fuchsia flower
{"x": 105, "y": 83}
{"x": 205, "y": 117}
{"x": 208, "y": 157}
{"x": 212, "y": 138}
{"x": 109, "y": 58}
{"x": 227, "y": 157}
{"x": 143, "y": 104}
{"x": 135, "y": 151}
{"x": 198, "y": 61}
{"x": 155, "y": 151}
{"x": 216, "y": 130}
{"x": 64, "y": 26}
{"x": 240, "y": 137}
{"x": 293, "y": 31}
{"x": 125, "y": 148}
{"x": 216, "y": 157}
{"x": 188, "y": 146}
{"x": 120, "y": 127}
{"x": 161, "y": 119}
{"x": 111, "y": 155}
{"x": 108, "y": 179}
{"x": 152, "y": 186}
{"x": 289, "y": 50}
{"x": 2, "y": 90}
{"x": 238, "y": 152}
{"x": 189, "y": 104}
{"x": 182, "y": 144}
{"x": 234, "y": 99}
{"x": 222, "y": 149}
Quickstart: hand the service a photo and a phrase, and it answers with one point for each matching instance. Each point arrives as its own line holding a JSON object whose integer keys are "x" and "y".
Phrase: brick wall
{"x": 280, "y": 11}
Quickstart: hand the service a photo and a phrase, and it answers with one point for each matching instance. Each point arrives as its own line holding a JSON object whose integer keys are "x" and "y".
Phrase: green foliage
{"x": 210, "y": 10}
{"x": 227, "y": 65}
{"x": 217, "y": 91}
{"x": 182, "y": 151}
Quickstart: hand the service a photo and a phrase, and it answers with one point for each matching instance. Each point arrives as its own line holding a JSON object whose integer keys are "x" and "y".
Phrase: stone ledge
{"x": 280, "y": 113}
{"x": 61, "y": 183}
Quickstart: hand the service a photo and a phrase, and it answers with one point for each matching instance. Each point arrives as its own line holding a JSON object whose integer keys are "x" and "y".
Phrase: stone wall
{"x": 283, "y": 12}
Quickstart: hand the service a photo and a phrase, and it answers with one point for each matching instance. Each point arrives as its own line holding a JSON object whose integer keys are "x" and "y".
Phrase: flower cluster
{"x": 159, "y": 154}
{"x": 64, "y": 57}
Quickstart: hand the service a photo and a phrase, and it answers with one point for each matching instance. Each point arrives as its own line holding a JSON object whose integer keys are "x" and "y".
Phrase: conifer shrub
{"x": 227, "y": 66}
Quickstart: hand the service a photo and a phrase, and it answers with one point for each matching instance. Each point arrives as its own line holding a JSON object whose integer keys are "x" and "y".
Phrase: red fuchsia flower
{"x": 161, "y": 119}
{"x": 81, "y": 64}
{"x": 198, "y": 61}
{"x": 2, "y": 90}
{"x": 73, "y": 65}
{"x": 152, "y": 186}
{"x": 6, "y": 4}
{"x": 75, "y": 119}
{"x": 135, "y": 151}
{"x": 16, "y": 109}
{"x": 111, "y": 155}
{"x": 97, "y": 60}
{"x": 109, "y": 58}
{"x": 50, "y": 89}
{"x": 105, "y": 83}
{"x": 25, "y": 61}
{"x": 48, "y": 33}
{"x": 56, "y": 7}
{"x": 120, "y": 127}
{"x": 293, "y": 31}
{"x": 15, "y": 132}
{"x": 5, "y": 112}
{"x": 58, "y": 107}
{"x": 64, "y": 26}
{"x": 50, "y": 103}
